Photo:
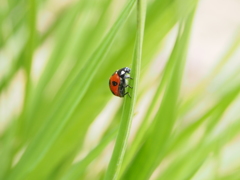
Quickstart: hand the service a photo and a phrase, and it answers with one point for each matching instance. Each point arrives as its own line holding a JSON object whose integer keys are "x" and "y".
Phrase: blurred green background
{"x": 59, "y": 119}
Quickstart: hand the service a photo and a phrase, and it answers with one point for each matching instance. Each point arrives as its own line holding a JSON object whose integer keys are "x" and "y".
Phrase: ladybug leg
{"x": 127, "y": 94}
{"x": 127, "y": 76}
{"x": 128, "y": 86}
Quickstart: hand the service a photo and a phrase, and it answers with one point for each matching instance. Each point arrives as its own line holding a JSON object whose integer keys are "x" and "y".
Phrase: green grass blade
{"x": 142, "y": 131}
{"x": 65, "y": 109}
{"x": 186, "y": 166}
{"x": 37, "y": 150}
{"x": 164, "y": 120}
{"x": 77, "y": 169}
{"x": 200, "y": 91}
{"x": 129, "y": 103}
{"x": 6, "y": 152}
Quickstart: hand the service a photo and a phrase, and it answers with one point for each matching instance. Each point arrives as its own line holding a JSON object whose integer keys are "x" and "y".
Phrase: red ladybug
{"x": 118, "y": 83}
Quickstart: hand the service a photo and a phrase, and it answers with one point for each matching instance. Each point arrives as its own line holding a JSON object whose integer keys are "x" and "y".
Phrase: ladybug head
{"x": 122, "y": 72}
{"x": 127, "y": 70}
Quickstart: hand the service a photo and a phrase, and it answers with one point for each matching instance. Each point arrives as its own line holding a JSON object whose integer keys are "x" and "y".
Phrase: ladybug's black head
{"x": 127, "y": 70}
{"x": 122, "y": 72}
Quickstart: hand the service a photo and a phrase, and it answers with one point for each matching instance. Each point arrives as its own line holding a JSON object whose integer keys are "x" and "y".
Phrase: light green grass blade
{"x": 6, "y": 151}
{"x": 72, "y": 92}
{"x": 77, "y": 169}
{"x": 163, "y": 122}
{"x": 78, "y": 37}
{"x": 57, "y": 56}
{"x": 42, "y": 143}
{"x": 213, "y": 113}
{"x": 142, "y": 131}
{"x": 129, "y": 103}
{"x": 185, "y": 166}
{"x": 200, "y": 91}
{"x": 232, "y": 176}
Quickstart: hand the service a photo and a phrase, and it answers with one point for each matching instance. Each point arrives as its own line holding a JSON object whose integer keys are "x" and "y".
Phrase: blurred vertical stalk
{"x": 29, "y": 51}
{"x": 31, "y": 39}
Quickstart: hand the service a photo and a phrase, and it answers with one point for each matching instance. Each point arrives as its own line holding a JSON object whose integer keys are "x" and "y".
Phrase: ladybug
{"x": 118, "y": 82}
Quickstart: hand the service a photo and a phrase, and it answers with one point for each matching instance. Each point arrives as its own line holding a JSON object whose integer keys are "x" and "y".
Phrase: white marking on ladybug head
{"x": 122, "y": 72}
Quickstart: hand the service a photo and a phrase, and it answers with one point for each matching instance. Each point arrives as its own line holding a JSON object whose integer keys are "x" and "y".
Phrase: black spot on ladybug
{"x": 114, "y": 83}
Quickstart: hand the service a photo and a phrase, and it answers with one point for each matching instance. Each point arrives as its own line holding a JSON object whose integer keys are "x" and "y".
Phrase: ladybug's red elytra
{"x": 118, "y": 82}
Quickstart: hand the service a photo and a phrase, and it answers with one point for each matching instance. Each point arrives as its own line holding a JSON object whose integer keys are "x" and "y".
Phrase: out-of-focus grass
{"x": 80, "y": 44}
